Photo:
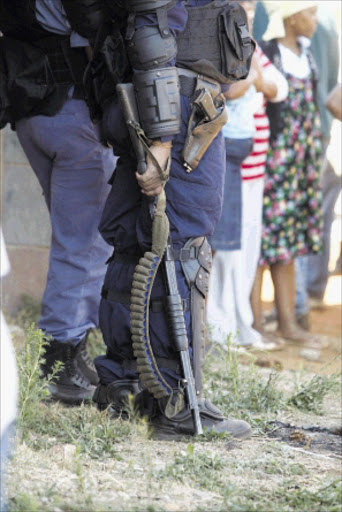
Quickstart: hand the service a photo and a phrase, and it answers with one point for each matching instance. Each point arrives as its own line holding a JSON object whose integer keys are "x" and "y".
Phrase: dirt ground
{"x": 325, "y": 323}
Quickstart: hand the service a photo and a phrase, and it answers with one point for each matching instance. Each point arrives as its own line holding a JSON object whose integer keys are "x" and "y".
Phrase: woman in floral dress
{"x": 292, "y": 217}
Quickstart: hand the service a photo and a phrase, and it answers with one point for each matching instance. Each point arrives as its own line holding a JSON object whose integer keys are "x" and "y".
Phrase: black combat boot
{"x": 182, "y": 424}
{"x": 115, "y": 396}
{"x": 76, "y": 381}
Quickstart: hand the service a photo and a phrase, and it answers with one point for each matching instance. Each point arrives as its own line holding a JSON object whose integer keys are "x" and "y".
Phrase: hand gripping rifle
{"x": 143, "y": 279}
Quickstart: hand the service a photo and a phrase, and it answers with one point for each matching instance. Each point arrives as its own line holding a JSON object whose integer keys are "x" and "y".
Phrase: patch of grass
{"x": 271, "y": 465}
{"x": 309, "y": 396}
{"x": 43, "y": 422}
{"x": 201, "y": 469}
{"x": 244, "y": 391}
{"x": 239, "y": 387}
{"x": 290, "y": 497}
{"x": 23, "y": 503}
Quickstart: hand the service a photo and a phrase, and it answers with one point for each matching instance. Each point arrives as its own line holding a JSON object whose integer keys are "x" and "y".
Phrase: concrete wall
{"x": 25, "y": 223}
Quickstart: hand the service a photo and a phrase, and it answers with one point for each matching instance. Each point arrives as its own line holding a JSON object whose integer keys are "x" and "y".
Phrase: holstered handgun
{"x": 209, "y": 114}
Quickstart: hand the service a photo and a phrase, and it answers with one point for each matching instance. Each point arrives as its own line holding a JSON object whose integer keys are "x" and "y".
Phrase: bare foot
{"x": 301, "y": 338}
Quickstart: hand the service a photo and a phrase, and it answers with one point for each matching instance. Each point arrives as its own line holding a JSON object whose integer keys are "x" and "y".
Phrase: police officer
{"x": 176, "y": 79}
{"x": 44, "y": 54}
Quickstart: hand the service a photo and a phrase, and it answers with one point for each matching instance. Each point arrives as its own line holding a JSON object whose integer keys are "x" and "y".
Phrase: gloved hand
{"x": 151, "y": 182}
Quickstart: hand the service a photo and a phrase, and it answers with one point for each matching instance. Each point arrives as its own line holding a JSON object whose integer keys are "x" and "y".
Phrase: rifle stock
{"x": 130, "y": 111}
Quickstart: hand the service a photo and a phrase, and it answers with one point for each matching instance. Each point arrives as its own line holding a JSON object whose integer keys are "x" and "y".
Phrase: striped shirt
{"x": 254, "y": 165}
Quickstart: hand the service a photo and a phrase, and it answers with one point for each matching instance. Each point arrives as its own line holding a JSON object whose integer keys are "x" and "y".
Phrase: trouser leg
{"x": 73, "y": 169}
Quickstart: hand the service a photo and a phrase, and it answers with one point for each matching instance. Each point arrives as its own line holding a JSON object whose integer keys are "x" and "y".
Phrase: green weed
{"x": 239, "y": 387}
{"x": 32, "y": 386}
{"x": 309, "y": 395}
{"x": 23, "y": 503}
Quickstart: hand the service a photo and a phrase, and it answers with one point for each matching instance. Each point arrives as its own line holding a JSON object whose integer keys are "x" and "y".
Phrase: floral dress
{"x": 292, "y": 214}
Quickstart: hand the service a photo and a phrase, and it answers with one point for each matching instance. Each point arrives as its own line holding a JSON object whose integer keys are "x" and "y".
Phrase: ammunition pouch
{"x": 148, "y": 49}
{"x": 158, "y": 100}
{"x": 209, "y": 114}
{"x": 197, "y": 273}
{"x": 216, "y": 41}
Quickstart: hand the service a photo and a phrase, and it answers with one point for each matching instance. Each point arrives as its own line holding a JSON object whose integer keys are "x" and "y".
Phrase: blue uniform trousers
{"x": 73, "y": 169}
{"x": 193, "y": 208}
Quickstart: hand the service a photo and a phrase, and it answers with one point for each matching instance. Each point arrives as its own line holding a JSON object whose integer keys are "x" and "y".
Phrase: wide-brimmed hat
{"x": 278, "y": 11}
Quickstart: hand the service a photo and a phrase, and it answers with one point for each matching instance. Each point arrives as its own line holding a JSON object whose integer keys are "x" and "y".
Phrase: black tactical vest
{"x": 216, "y": 41}
{"x": 37, "y": 67}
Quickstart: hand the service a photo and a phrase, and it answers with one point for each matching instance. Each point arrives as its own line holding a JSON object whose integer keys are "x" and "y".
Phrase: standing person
{"x": 292, "y": 213}
{"x": 44, "y": 54}
{"x": 274, "y": 90}
{"x": 172, "y": 111}
{"x": 312, "y": 271}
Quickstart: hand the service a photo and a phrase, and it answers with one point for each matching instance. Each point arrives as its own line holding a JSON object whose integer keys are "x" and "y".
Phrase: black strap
{"x": 163, "y": 23}
{"x": 156, "y": 305}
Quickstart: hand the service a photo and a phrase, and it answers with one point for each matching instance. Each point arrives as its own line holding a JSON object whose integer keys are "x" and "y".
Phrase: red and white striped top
{"x": 254, "y": 165}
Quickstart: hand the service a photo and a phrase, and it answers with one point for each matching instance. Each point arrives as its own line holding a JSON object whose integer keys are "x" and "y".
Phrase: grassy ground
{"x": 77, "y": 459}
